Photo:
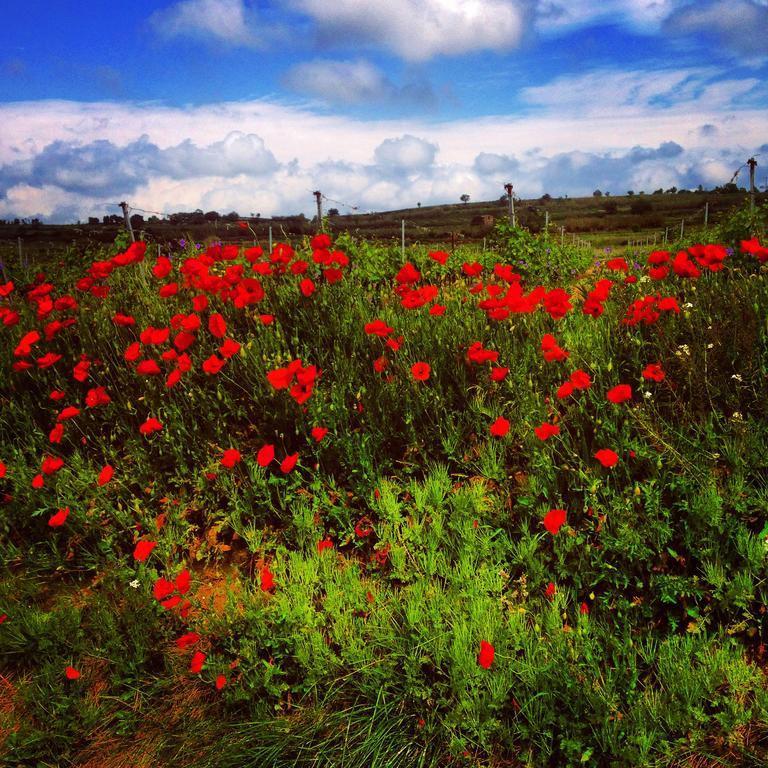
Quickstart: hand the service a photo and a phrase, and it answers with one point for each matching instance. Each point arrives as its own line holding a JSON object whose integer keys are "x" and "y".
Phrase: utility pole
{"x": 752, "y": 163}
{"x": 319, "y": 197}
{"x": 127, "y": 218}
{"x": 511, "y": 200}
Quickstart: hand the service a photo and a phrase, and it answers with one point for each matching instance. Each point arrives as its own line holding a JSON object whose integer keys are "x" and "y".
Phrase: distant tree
{"x": 137, "y": 220}
{"x": 670, "y": 191}
{"x": 545, "y": 197}
{"x": 464, "y": 199}
{"x": 607, "y": 194}
{"x": 630, "y": 192}
{"x": 658, "y": 191}
{"x": 333, "y": 211}
{"x": 232, "y": 216}
{"x": 93, "y": 220}
{"x": 597, "y": 193}
{"x": 418, "y": 205}
{"x": 212, "y": 216}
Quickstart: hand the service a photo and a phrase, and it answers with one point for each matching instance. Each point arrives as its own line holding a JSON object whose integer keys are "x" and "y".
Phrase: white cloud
{"x": 59, "y": 157}
{"x": 226, "y": 21}
{"x": 355, "y": 82}
{"x": 418, "y": 30}
{"x": 639, "y": 91}
{"x": 558, "y": 16}
{"x": 407, "y": 154}
{"x": 739, "y": 24}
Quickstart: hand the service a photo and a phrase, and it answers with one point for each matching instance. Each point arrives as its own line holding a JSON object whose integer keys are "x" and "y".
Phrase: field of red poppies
{"x": 323, "y": 506}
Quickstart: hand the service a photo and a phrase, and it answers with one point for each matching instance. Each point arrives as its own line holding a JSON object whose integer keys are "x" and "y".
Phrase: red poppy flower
{"x": 407, "y": 274}
{"x": 183, "y": 581}
{"x": 654, "y": 371}
{"x": 213, "y": 365}
{"x": 619, "y": 393}
{"x": 324, "y": 544}
{"x": 196, "y": 665}
{"x": 51, "y": 464}
{"x": 105, "y": 475}
{"x": 67, "y": 413}
{"x": 173, "y": 378}
{"x": 439, "y": 256}
{"x": 71, "y": 673}
{"x": 143, "y": 549}
{"x": 38, "y": 482}
{"x": 607, "y": 457}
{"x": 230, "y": 458}
{"x": 267, "y": 319}
{"x": 288, "y": 463}
{"x": 307, "y": 287}
{"x": 499, "y": 374}
{"x": 57, "y": 394}
{"x": 318, "y": 433}
{"x": 59, "y": 518}
{"x": 221, "y": 681}
{"x": 162, "y": 588}
{"x": 190, "y": 638}
{"x": 420, "y": 371}
{"x": 266, "y": 579}
{"x": 96, "y": 397}
{"x": 280, "y": 378}
{"x": 380, "y": 364}
{"x": 554, "y": 519}
{"x": 47, "y": 360}
{"x": 56, "y": 434}
{"x": 500, "y": 427}
{"x": 3, "y": 470}
{"x": 229, "y": 348}
{"x": 162, "y": 267}
{"x": 395, "y": 344}
{"x": 487, "y": 652}
{"x": 580, "y": 379}
{"x": 378, "y": 328}
{"x": 217, "y": 326}
{"x": 550, "y": 590}
{"x": 132, "y": 352}
{"x": 150, "y": 425}
{"x": 584, "y": 609}
{"x": 148, "y": 368}
{"x": 546, "y": 431}
{"x": 265, "y": 455}
{"x": 168, "y": 290}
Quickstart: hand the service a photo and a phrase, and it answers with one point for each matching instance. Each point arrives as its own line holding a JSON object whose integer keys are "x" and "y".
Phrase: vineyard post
{"x": 127, "y": 218}
{"x": 511, "y": 200}
{"x": 402, "y": 238}
{"x": 706, "y": 214}
{"x": 546, "y": 222}
{"x": 270, "y": 239}
{"x": 318, "y": 196}
{"x": 666, "y": 234}
{"x": 2, "y": 268}
{"x": 752, "y": 163}
{"x": 21, "y": 257}
{"x": 682, "y": 228}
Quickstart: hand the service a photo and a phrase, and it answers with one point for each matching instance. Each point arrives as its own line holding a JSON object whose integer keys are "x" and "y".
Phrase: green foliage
{"x": 366, "y": 652}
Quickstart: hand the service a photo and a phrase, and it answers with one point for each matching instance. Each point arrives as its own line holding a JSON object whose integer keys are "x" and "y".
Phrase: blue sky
{"x": 250, "y": 105}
